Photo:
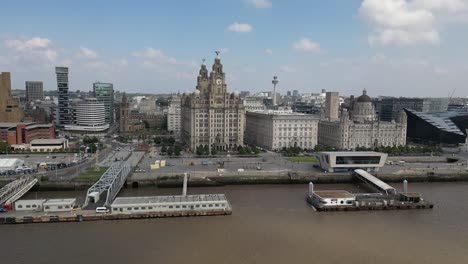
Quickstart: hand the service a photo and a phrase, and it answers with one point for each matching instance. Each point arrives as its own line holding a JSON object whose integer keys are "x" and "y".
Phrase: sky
{"x": 389, "y": 47}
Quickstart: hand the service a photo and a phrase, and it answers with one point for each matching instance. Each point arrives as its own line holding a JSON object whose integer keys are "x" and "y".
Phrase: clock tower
{"x": 211, "y": 117}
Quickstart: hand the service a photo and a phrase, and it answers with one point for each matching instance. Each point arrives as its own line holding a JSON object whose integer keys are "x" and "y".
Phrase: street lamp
{"x": 274, "y": 82}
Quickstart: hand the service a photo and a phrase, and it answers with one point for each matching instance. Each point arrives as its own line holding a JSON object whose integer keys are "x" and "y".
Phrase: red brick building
{"x": 24, "y": 133}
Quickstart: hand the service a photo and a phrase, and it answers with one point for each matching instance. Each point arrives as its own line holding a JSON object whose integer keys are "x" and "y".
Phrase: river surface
{"x": 269, "y": 224}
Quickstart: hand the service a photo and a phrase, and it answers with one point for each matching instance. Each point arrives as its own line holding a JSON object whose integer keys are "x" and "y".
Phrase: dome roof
{"x": 364, "y": 98}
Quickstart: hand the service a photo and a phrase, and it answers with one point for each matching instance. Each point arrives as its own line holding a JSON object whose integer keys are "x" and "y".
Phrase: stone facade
{"x": 210, "y": 115}
{"x": 361, "y": 128}
{"x": 128, "y": 124}
{"x": 9, "y": 110}
{"x": 274, "y": 130}
{"x": 174, "y": 116}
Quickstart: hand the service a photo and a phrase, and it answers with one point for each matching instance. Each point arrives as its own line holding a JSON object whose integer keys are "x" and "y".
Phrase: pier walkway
{"x": 15, "y": 189}
{"x": 374, "y": 183}
{"x": 111, "y": 182}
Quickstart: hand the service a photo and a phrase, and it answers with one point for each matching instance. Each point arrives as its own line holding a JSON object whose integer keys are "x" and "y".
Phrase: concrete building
{"x": 253, "y": 104}
{"x": 59, "y": 205}
{"x": 34, "y": 91}
{"x": 341, "y": 161}
{"x": 88, "y": 116}
{"x": 24, "y": 133}
{"x": 391, "y": 107}
{"x": 274, "y": 130}
{"x": 47, "y": 145}
{"x": 9, "y": 110}
{"x": 104, "y": 93}
{"x": 63, "y": 110}
{"x": 360, "y": 128}
{"x": 30, "y": 205}
{"x": 210, "y": 115}
{"x": 332, "y": 106}
{"x": 174, "y": 115}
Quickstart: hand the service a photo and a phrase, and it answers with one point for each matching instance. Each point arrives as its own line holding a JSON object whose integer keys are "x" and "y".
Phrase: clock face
{"x": 219, "y": 81}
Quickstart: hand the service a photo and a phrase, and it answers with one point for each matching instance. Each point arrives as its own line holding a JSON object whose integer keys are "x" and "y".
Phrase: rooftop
{"x": 351, "y": 153}
{"x": 59, "y": 201}
{"x": 334, "y": 194}
{"x": 48, "y": 141}
{"x": 170, "y": 199}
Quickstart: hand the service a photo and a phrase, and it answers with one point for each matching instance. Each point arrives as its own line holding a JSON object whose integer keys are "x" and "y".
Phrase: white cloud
{"x": 305, "y": 44}
{"x": 28, "y": 44}
{"x": 405, "y": 22}
{"x": 87, "y": 53}
{"x": 239, "y": 27}
{"x": 150, "y": 53}
{"x": 223, "y": 50}
{"x": 269, "y": 51}
{"x": 259, "y": 3}
{"x": 287, "y": 68}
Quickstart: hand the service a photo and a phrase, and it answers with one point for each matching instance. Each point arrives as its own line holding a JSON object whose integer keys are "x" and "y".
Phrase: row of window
{"x": 144, "y": 208}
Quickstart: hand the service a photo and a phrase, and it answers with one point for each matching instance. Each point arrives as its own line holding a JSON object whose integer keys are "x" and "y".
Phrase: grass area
{"x": 91, "y": 174}
{"x": 302, "y": 159}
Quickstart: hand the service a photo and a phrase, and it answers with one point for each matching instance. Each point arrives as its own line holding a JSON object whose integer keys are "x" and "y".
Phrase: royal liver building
{"x": 210, "y": 115}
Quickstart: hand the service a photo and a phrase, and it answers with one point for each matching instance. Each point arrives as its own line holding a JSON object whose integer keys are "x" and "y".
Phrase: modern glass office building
{"x": 104, "y": 93}
{"x": 63, "y": 110}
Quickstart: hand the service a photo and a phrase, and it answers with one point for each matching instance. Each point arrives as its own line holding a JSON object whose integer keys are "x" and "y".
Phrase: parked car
{"x": 102, "y": 210}
{"x": 3, "y": 210}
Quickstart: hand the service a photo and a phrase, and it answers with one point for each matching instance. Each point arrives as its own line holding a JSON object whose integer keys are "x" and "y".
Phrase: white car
{"x": 102, "y": 210}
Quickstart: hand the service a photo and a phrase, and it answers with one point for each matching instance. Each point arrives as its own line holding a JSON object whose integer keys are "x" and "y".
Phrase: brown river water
{"x": 269, "y": 224}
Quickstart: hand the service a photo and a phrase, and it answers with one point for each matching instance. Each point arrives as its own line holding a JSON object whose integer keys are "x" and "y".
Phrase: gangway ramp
{"x": 111, "y": 182}
{"x": 374, "y": 182}
{"x": 14, "y": 190}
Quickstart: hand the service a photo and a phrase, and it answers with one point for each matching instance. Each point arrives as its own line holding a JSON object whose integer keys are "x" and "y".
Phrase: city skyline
{"x": 389, "y": 47}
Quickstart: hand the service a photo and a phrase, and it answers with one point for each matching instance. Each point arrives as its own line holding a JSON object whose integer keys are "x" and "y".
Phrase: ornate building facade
{"x": 210, "y": 116}
{"x": 360, "y": 128}
{"x": 127, "y": 123}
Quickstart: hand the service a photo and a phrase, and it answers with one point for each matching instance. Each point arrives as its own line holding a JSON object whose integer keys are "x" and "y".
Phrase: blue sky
{"x": 389, "y": 47}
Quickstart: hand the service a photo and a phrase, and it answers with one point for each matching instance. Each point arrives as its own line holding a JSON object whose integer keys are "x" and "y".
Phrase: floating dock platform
{"x": 83, "y": 216}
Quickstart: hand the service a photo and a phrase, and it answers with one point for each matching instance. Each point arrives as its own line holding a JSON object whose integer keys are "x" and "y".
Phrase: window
{"x": 20, "y": 206}
{"x": 170, "y": 206}
{"x": 60, "y": 207}
{"x": 150, "y": 208}
{"x": 34, "y": 206}
{"x": 135, "y": 208}
{"x": 129, "y": 209}
{"x": 28, "y": 206}
{"x": 143, "y": 208}
{"x": 67, "y": 206}
{"x": 47, "y": 207}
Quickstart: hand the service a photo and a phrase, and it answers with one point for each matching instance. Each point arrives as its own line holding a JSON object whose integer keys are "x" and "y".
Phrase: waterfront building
{"x": 127, "y": 123}
{"x": 344, "y": 161}
{"x": 274, "y": 130}
{"x": 210, "y": 115}
{"x": 390, "y": 108}
{"x": 46, "y": 145}
{"x": 34, "y": 91}
{"x": 360, "y": 128}
{"x": 447, "y": 128}
{"x": 178, "y": 203}
{"x": 24, "y": 133}
{"x": 104, "y": 93}
{"x": 88, "y": 116}
{"x": 9, "y": 109}
{"x": 59, "y": 205}
{"x": 174, "y": 115}
{"x": 63, "y": 109}
{"x": 253, "y": 104}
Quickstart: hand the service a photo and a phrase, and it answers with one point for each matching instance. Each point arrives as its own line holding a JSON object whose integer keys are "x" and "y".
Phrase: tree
{"x": 177, "y": 150}
{"x": 170, "y": 151}
{"x": 163, "y": 149}
{"x": 157, "y": 140}
{"x": 4, "y": 147}
{"x": 214, "y": 152}
{"x": 256, "y": 150}
{"x": 171, "y": 140}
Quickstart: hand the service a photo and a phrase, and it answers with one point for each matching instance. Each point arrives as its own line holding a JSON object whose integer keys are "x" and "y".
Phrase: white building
{"x": 253, "y": 104}
{"x": 10, "y": 164}
{"x": 154, "y": 204}
{"x": 361, "y": 128}
{"x": 59, "y": 205}
{"x": 344, "y": 161}
{"x": 89, "y": 116}
{"x": 333, "y": 198}
{"x": 29, "y": 205}
{"x": 46, "y": 145}
{"x": 173, "y": 115}
{"x": 274, "y": 130}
